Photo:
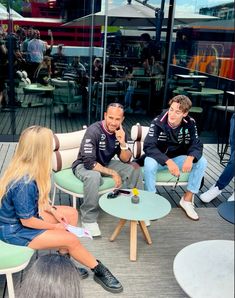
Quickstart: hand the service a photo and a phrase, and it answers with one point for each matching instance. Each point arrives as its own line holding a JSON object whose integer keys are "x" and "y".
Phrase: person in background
{"x": 59, "y": 62}
{"x": 50, "y": 275}
{"x": 43, "y": 72}
{"x": 101, "y": 142}
{"x": 4, "y": 69}
{"x": 49, "y": 46}
{"x": 228, "y": 173}
{"x": 24, "y": 45}
{"x": 26, "y": 216}
{"x": 172, "y": 143}
{"x": 97, "y": 70}
{"x": 128, "y": 100}
{"x": 36, "y": 50}
{"x": 149, "y": 53}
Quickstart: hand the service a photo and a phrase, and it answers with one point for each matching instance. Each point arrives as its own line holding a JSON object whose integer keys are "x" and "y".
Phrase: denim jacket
{"x": 20, "y": 201}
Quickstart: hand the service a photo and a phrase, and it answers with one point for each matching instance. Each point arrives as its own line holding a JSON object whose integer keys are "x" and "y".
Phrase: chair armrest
{"x": 138, "y": 134}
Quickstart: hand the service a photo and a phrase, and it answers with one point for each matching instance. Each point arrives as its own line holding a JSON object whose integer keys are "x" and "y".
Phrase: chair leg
{"x": 74, "y": 202}
{"x": 10, "y": 286}
{"x": 53, "y": 195}
{"x": 5, "y": 288}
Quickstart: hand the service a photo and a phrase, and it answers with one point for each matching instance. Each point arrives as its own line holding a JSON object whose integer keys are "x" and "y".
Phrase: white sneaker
{"x": 188, "y": 207}
{"x": 147, "y": 223}
{"x": 211, "y": 194}
{"x": 231, "y": 198}
{"x": 93, "y": 228}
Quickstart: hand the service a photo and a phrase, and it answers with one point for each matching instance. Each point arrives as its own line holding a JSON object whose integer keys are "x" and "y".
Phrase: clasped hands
{"x": 174, "y": 169}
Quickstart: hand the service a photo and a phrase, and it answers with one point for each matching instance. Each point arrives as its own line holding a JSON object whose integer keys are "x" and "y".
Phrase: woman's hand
{"x": 58, "y": 215}
{"x": 59, "y": 226}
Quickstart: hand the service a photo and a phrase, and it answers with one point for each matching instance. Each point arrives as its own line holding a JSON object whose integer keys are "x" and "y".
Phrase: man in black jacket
{"x": 102, "y": 141}
{"x": 172, "y": 142}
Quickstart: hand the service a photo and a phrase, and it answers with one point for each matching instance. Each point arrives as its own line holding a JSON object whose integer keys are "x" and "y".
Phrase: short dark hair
{"x": 51, "y": 275}
{"x": 184, "y": 101}
{"x": 116, "y": 105}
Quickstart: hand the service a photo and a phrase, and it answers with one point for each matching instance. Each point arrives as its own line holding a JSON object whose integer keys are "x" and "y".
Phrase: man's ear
{"x": 185, "y": 114}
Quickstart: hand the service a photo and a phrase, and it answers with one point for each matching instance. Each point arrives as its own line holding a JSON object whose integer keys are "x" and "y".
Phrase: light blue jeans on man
{"x": 151, "y": 166}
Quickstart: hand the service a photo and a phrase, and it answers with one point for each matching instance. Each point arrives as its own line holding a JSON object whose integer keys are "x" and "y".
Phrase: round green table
{"x": 204, "y": 93}
{"x": 36, "y": 89}
{"x": 150, "y": 207}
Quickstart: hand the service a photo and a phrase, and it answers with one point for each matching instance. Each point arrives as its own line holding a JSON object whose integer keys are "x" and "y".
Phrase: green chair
{"x": 13, "y": 258}
{"x": 66, "y": 147}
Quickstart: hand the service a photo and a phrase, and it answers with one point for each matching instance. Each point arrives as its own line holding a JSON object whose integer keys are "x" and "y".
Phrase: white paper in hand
{"x": 79, "y": 232}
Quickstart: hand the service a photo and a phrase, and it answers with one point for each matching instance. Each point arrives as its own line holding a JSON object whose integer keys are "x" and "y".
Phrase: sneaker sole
{"x": 188, "y": 215}
{"x": 205, "y": 201}
{"x": 119, "y": 290}
{"x": 96, "y": 236}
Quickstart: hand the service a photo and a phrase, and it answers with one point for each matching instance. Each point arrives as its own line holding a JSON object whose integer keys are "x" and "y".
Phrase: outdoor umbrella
{"x": 136, "y": 15}
{"x": 4, "y": 15}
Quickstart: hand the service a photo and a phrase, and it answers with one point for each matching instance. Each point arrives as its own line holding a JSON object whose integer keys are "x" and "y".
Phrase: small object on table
{"x": 135, "y": 198}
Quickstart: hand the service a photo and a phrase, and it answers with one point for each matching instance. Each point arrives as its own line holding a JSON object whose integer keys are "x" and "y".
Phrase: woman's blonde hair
{"x": 33, "y": 158}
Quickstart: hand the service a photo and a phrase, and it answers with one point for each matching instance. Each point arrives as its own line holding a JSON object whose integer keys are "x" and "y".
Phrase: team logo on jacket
{"x": 103, "y": 137}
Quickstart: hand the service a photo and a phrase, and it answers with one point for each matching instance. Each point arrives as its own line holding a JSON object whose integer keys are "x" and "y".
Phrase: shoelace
{"x": 108, "y": 275}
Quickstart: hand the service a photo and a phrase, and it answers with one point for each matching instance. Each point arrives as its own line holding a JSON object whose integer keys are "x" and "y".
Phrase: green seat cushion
{"x": 13, "y": 255}
{"x": 196, "y": 110}
{"x": 67, "y": 180}
{"x": 165, "y": 176}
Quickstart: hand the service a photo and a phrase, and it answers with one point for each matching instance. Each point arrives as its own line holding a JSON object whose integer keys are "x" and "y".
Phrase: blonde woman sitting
{"x": 26, "y": 216}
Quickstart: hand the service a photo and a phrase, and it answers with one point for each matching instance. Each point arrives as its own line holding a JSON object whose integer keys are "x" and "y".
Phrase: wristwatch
{"x": 124, "y": 148}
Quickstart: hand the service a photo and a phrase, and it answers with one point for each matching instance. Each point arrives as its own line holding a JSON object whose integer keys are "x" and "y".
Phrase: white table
{"x": 206, "y": 269}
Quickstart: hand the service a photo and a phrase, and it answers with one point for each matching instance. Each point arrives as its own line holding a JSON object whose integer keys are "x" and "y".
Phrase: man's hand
{"x": 110, "y": 172}
{"x": 173, "y": 168}
{"x": 117, "y": 179}
{"x": 188, "y": 164}
{"x": 120, "y": 135}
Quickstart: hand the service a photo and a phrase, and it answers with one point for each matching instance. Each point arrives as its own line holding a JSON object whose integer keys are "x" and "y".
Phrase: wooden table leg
{"x": 117, "y": 229}
{"x": 145, "y": 232}
{"x": 133, "y": 240}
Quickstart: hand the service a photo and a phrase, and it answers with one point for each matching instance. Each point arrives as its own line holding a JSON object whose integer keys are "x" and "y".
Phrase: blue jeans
{"x": 151, "y": 166}
{"x": 129, "y": 95}
{"x": 228, "y": 172}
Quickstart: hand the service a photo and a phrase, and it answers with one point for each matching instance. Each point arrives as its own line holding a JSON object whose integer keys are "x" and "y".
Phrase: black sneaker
{"x": 82, "y": 272}
{"x": 106, "y": 279}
